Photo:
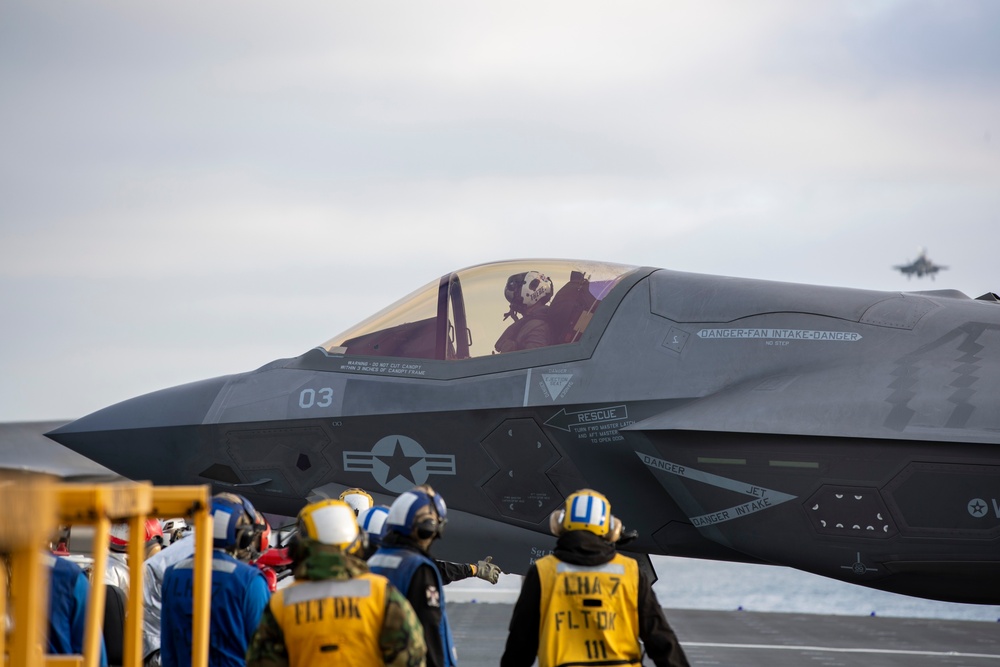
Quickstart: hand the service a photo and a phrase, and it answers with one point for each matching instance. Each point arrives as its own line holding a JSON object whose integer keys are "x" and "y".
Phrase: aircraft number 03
{"x": 316, "y": 398}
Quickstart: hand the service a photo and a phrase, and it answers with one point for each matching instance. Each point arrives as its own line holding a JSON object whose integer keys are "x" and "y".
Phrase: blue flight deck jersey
{"x": 239, "y": 596}
{"x": 68, "y": 592}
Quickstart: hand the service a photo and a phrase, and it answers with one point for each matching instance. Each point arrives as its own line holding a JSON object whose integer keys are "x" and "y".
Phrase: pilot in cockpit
{"x": 528, "y": 294}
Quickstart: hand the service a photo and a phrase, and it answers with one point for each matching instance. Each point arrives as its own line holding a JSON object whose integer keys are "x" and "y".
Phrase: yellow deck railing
{"x": 33, "y": 506}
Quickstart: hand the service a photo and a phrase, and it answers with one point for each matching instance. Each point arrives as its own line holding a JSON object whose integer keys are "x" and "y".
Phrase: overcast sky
{"x": 191, "y": 189}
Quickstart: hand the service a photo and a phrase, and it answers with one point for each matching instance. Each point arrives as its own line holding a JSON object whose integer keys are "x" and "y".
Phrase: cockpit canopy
{"x": 464, "y": 314}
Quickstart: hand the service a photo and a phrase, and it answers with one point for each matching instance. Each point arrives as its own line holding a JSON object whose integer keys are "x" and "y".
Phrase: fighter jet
{"x": 921, "y": 266}
{"x": 850, "y": 433}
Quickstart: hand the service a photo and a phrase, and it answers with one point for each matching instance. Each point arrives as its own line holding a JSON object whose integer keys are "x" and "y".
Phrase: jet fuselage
{"x": 844, "y": 432}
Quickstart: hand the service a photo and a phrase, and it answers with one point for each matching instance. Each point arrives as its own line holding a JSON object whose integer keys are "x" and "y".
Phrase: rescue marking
{"x": 398, "y": 463}
{"x": 763, "y": 498}
{"x": 567, "y": 421}
{"x": 780, "y": 334}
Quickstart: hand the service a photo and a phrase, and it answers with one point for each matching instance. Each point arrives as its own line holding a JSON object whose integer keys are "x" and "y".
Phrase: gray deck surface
{"x": 748, "y": 639}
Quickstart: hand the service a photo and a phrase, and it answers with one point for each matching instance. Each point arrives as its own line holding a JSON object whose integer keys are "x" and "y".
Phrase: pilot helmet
{"x": 524, "y": 290}
{"x": 332, "y": 523}
{"x": 419, "y": 512}
{"x": 587, "y": 510}
{"x": 358, "y": 499}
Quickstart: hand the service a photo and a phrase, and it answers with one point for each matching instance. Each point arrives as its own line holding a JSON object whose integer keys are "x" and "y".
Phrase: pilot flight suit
{"x": 527, "y": 333}
{"x": 587, "y": 604}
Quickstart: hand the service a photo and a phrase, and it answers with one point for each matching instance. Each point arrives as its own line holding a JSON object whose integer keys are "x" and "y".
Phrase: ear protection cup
{"x": 244, "y": 537}
{"x": 615, "y": 533}
{"x": 360, "y": 546}
{"x": 555, "y": 522}
{"x": 248, "y": 535}
{"x": 560, "y": 523}
{"x": 234, "y": 523}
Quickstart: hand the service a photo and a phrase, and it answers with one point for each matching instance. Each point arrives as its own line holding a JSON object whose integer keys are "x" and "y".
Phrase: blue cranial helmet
{"x": 234, "y": 526}
{"x": 372, "y": 521}
{"x": 408, "y": 516}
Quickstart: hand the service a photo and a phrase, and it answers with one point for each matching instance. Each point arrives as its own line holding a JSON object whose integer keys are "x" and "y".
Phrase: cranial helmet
{"x": 524, "y": 290}
{"x": 234, "y": 525}
{"x": 174, "y": 529}
{"x": 419, "y": 512}
{"x": 358, "y": 499}
{"x": 586, "y": 510}
{"x": 372, "y": 521}
{"x": 120, "y": 535}
{"x": 332, "y": 522}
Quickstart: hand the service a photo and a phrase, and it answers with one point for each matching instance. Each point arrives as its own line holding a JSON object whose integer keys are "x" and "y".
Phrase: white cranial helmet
{"x": 358, "y": 499}
{"x": 524, "y": 290}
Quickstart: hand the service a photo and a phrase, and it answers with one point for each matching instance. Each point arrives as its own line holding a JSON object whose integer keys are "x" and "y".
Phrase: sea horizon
{"x": 687, "y": 583}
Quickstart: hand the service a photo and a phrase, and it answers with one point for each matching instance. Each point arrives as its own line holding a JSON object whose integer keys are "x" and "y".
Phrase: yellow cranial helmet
{"x": 332, "y": 522}
{"x": 588, "y": 510}
{"x": 358, "y": 499}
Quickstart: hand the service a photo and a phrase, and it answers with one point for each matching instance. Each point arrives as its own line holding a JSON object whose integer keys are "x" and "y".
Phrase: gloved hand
{"x": 627, "y": 537}
{"x": 485, "y": 569}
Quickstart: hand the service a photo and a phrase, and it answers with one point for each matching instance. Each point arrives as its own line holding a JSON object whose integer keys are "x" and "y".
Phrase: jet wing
{"x": 24, "y": 447}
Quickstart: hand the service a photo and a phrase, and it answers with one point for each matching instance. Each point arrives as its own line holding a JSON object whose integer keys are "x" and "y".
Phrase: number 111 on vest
{"x": 596, "y": 649}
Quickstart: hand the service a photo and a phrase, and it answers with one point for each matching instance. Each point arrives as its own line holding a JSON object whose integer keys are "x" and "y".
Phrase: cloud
{"x": 253, "y": 178}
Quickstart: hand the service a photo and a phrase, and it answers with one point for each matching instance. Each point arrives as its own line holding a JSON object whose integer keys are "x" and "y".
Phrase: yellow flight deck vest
{"x": 332, "y": 622}
{"x": 589, "y": 615}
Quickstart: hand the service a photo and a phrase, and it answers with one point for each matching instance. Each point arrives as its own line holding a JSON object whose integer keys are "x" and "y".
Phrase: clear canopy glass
{"x": 465, "y": 313}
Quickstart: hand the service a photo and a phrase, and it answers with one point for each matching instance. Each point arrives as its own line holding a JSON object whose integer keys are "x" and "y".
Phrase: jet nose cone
{"x": 131, "y": 437}
{"x": 183, "y": 405}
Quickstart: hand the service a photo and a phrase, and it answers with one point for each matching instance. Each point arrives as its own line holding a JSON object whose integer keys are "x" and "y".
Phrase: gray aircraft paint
{"x": 866, "y": 421}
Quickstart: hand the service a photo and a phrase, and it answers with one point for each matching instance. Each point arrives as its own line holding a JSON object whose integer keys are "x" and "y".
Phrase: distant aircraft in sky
{"x": 921, "y": 266}
{"x": 849, "y": 433}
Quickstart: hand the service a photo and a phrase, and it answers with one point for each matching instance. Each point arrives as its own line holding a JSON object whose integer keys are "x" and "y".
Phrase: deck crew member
{"x": 417, "y": 518}
{"x": 337, "y": 612}
{"x": 69, "y": 590}
{"x": 372, "y": 521}
{"x": 586, "y": 604}
{"x": 239, "y": 591}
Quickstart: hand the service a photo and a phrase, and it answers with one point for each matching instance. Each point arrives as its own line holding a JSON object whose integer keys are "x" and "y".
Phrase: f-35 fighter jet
{"x": 920, "y": 267}
{"x": 849, "y": 433}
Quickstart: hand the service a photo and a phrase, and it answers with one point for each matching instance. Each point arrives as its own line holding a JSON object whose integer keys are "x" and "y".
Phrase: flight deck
{"x": 752, "y": 639}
